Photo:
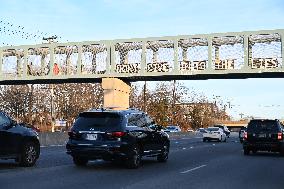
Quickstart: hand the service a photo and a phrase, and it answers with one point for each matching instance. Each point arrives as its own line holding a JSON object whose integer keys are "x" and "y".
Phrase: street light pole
{"x": 144, "y": 98}
{"x": 174, "y": 101}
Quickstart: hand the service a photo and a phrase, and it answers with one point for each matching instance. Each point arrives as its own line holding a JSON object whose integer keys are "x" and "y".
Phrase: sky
{"x": 90, "y": 20}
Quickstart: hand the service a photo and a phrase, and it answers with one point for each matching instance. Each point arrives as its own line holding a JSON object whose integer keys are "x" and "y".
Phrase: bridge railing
{"x": 220, "y": 53}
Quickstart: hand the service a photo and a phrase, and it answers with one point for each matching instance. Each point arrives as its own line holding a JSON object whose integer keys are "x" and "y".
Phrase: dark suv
{"x": 18, "y": 141}
{"x": 116, "y": 135}
{"x": 263, "y": 135}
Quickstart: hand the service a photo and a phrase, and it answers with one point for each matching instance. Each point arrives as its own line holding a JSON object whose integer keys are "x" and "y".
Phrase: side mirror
{"x": 13, "y": 123}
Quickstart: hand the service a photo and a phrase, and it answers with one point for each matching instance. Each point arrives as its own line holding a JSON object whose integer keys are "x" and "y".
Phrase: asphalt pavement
{"x": 192, "y": 164}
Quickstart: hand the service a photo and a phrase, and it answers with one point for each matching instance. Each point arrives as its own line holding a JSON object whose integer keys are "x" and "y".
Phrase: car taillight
{"x": 280, "y": 136}
{"x": 117, "y": 134}
{"x": 245, "y": 135}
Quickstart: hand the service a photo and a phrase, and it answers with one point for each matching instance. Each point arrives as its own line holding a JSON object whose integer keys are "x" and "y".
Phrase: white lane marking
{"x": 193, "y": 169}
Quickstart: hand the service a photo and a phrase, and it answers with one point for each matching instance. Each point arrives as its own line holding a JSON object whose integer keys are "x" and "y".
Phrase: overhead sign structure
{"x": 208, "y": 56}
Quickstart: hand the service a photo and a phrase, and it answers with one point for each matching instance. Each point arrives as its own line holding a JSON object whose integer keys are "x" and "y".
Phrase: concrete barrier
{"x": 50, "y": 139}
{"x": 60, "y": 138}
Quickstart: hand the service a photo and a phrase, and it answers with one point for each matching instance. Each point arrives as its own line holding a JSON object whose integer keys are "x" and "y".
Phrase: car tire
{"x": 80, "y": 161}
{"x": 163, "y": 157}
{"x": 134, "y": 161}
{"x": 204, "y": 139}
{"x": 246, "y": 151}
{"x": 30, "y": 152}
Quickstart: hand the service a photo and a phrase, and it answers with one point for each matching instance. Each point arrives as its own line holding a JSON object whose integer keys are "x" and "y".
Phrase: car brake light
{"x": 280, "y": 136}
{"x": 245, "y": 135}
{"x": 117, "y": 134}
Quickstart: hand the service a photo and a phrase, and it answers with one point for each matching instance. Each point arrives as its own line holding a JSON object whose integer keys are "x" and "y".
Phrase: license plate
{"x": 91, "y": 136}
{"x": 262, "y": 135}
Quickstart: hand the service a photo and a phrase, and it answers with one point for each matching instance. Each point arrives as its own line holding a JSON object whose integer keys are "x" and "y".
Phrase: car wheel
{"x": 163, "y": 157}
{"x": 134, "y": 161}
{"x": 246, "y": 151}
{"x": 29, "y": 154}
{"x": 80, "y": 161}
{"x": 204, "y": 140}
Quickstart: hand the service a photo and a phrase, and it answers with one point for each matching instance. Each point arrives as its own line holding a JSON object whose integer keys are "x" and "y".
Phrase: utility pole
{"x": 51, "y": 107}
{"x": 31, "y": 89}
{"x": 144, "y": 98}
{"x": 50, "y": 40}
{"x": 174, "y": 101}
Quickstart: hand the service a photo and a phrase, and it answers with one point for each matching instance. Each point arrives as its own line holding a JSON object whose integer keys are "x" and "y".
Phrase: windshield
{"x": 98, "y": 121}
{"x": 172, "y": 127}
{"x": 212, "y": 129}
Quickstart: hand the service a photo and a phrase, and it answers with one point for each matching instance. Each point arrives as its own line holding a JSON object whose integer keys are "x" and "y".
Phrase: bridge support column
{"x": 116, "y": 93}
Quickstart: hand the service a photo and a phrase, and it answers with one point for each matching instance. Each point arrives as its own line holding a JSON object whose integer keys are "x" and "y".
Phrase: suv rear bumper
{"x": 92, "y": 152}
{"x": 265, "y": 146}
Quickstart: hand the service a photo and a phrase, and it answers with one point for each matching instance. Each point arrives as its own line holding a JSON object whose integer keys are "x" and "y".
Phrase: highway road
{"x": 192, "y": 164}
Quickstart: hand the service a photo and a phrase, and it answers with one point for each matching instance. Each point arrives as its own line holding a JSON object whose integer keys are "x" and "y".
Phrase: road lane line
{"x": 193, "y": 169}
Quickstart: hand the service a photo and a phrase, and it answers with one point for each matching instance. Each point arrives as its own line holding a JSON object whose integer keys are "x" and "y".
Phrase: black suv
{"x": 263, "y": 135}
{"x": 18, "y": 142}
{"x": 116, "y": 135}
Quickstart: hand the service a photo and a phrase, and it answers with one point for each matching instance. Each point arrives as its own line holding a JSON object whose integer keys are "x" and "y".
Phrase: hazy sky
{"x": 88, "y": 20}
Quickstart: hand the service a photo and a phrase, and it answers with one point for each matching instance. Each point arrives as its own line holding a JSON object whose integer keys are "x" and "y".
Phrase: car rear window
{"x": 212, "y": 129}
{"x": 262, "y": 126}
{"x": 98, "y": 121}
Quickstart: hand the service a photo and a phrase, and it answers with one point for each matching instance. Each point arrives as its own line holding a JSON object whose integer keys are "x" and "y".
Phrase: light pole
{"x": 51, "y": 88}
{"x": 144, "y": 97}
{"x": 174, "y": 101}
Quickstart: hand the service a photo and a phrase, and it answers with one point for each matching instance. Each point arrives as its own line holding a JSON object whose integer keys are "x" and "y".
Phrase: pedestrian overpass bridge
{"x": 250, "y": 54}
